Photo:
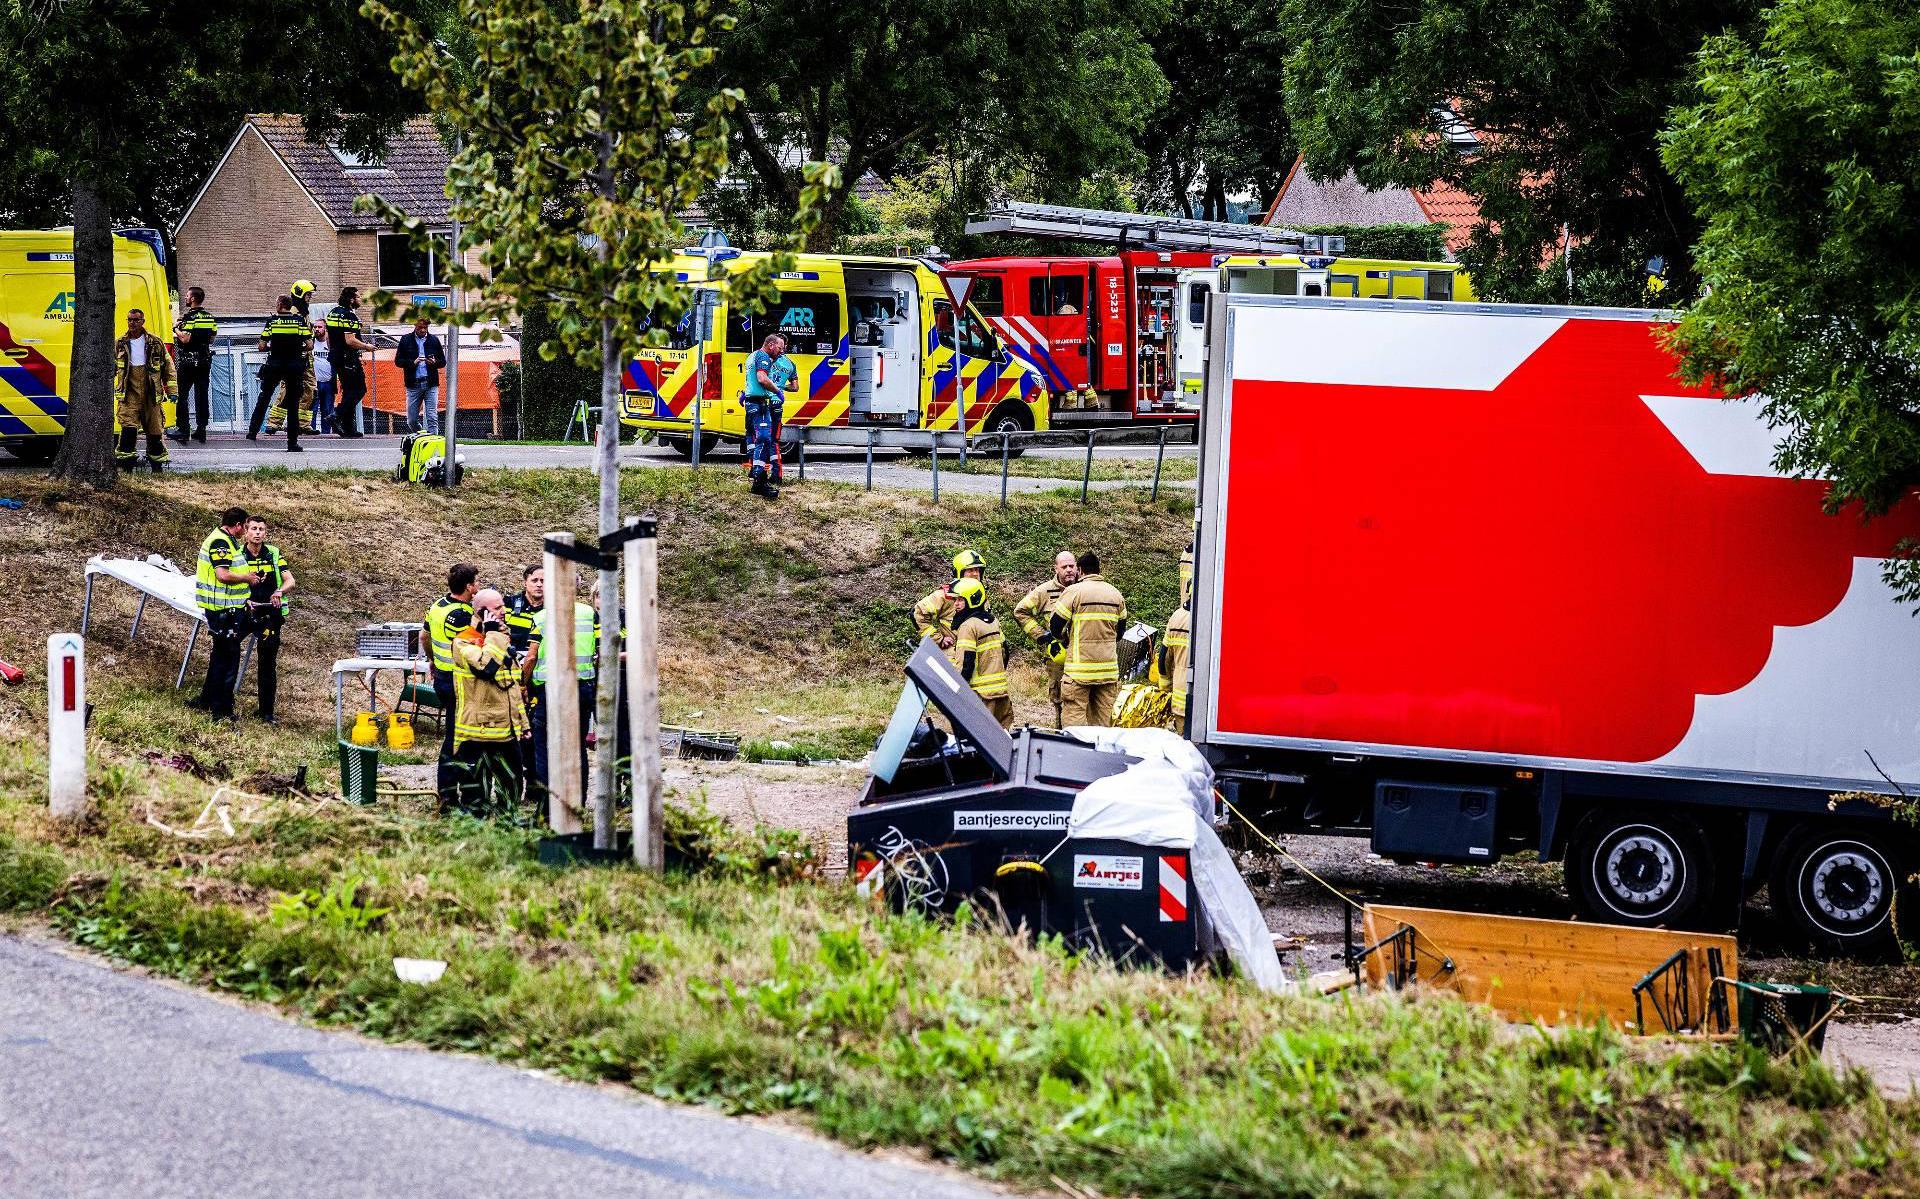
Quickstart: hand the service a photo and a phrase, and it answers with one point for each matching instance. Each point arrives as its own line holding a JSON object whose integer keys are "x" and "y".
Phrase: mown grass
{"x": 730, "y": 987}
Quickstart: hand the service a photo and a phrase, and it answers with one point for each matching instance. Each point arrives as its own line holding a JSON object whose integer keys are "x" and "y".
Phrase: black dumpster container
{"x": 982, "y": 819}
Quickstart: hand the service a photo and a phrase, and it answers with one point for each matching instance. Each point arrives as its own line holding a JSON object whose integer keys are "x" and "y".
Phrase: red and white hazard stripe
{"x": 1173, "y": 887}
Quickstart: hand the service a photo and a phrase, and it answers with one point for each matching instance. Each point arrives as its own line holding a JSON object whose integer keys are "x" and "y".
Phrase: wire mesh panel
{"x": 359, "y": 772}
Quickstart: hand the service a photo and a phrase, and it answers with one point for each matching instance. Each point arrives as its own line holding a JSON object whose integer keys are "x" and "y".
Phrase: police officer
{"x": 221, "y": 584}
{"x": 539, "y": 673}
{"x": 288, "y": 344}
{"x": 980, "y": 651}
{"x": 194, "y": 335}
{"x": 767, "y": 382}
{"x": 450, "y": 615}
{"x": 934, "y": 614}
{"x": 1031, "y": 612}
{"x": 524, "y": 607}
{"x": 344, "y": 343}
{"x": 267, "y": 607}
{"x": 1086, "y": 619}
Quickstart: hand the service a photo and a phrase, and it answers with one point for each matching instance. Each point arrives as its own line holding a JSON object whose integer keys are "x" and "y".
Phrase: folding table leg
{"x": 180, "y": 680}
{"x": 86, "y": 607}
{"x": 137, "y": 614}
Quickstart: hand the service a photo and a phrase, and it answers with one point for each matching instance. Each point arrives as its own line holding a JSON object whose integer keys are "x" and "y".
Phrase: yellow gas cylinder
{"x": 399, "y": 731}
{"x": 364, "y": 732}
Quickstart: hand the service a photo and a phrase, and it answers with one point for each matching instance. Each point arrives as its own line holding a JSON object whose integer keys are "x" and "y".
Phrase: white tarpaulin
{"x": 1166, "y": 801}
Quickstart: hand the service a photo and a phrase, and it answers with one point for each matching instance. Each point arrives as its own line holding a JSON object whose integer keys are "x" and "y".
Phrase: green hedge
{"x": 1417, "y": 243}
{"x": 549, "y": 390}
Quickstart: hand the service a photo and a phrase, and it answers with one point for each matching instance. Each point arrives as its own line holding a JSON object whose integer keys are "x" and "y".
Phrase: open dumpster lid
{"x": 932, "y": 679}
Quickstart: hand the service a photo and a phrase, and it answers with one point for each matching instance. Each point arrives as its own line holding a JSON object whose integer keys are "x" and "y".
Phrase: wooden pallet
{"x": 1553, "y": 971}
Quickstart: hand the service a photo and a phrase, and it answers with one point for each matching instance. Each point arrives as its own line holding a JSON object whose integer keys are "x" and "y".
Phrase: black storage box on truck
{"x": 982, "y": 819}
{"x": 1474, "y": 579}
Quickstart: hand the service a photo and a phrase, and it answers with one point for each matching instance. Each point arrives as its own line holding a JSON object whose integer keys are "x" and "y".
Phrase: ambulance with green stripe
{"x": 36, "y": 326}
{"x": 872, "y": 339}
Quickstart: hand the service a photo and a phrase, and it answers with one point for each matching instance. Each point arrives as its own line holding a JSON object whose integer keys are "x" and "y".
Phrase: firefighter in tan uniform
{"x": 1031, "y": 612}
{"x": 934, "y": 615}
{"x": 142, "y": 383}
{"x": 1175, "y": 652}
{"x": 1086, "y": 619}
{"x": 980, "y": 651}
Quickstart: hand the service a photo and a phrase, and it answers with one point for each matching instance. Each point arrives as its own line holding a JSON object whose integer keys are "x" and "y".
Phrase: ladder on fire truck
{"x": 1139, "y": 230}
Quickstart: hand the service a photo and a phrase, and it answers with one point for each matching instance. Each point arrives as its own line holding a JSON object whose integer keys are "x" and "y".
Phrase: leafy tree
{"x": 91, "y": 94}
{"x": 1802, "y": 158}
{"x": 1223, "y": 127}
{"x": 573, "y": 155}
{"x": 1061, "y": 85}
{"x": 1566, "y": 98}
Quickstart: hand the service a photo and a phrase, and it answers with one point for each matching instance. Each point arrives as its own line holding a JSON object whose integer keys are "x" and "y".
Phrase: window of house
{"x": 1057, "y": 295}
{"x": 809, "y": 320}
{"x": 402, "y": 265}
{"x": 354, "y": 160}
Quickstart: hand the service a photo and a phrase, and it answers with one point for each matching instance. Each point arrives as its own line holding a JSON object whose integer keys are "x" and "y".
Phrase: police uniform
{"x": 196, "y": 372}
{"x": 289, "y": 343}
{"x": 349, "y": 374}
{"x": 446, "y": 619}
{"x": 1087, "y": 619}
{"x": 1031, "y": 612}
{"x": 521, "y": 614}
{"x": 225, "y": 607}
{"x": 980, "y": 651}
{"x": 142, "y": 381}
{"x": 266, "y": 617}
{"x": 586, "y": 654}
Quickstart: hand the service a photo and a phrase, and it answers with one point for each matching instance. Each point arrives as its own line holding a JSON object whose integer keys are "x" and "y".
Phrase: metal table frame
{"x": 368, "y": 668}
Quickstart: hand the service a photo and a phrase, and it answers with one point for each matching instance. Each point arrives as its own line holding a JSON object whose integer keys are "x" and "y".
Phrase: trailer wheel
{"x": 1838, "y": 889}
{"x": 1639, "y": 869}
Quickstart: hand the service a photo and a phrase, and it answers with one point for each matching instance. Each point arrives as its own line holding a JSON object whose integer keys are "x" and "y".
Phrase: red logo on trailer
{"x": 1397, "y": 556}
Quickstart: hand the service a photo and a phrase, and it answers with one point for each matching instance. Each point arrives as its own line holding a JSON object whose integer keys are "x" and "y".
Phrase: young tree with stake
{"x": 574, "y": 157}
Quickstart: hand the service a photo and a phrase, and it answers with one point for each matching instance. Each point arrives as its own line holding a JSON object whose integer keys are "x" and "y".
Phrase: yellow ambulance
{"x": 36, "y": 326}
{"x": 872, "y": 340}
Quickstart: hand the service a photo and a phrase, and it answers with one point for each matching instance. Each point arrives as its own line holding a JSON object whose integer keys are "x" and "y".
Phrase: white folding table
{"x": 368, "y": 669}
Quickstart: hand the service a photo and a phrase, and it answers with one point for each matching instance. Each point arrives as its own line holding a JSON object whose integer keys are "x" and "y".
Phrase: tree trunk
{"x": 821, "y": 240}
{"x": 1216, "y": 196}
{"x": 607, "y": 710}
{"x": 86, "y": 453}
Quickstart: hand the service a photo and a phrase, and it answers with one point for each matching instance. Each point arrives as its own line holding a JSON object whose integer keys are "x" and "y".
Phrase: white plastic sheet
{"x": 1166, "y": 801}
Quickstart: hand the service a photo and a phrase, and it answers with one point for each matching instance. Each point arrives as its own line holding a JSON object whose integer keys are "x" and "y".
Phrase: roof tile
{"x": 412, "y": 175}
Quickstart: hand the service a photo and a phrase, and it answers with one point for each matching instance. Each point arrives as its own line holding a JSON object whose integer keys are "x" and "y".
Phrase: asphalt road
{"x": 232, "y": 452}
{"x": 115, "y": 1085}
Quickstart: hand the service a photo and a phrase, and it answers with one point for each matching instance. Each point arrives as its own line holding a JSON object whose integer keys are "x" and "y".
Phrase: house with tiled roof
{"x": 1305, "y": 202}
{"x": 279, "y": 207}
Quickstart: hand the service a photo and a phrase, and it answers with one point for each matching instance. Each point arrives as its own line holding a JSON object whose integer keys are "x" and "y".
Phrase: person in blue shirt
{"x": 770, "y": 375}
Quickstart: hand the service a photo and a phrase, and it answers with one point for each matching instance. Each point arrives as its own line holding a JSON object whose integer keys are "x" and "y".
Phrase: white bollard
{"x": 67, "y": 725}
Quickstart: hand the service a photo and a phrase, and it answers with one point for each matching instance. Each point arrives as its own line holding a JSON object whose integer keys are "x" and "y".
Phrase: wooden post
{"x": 643, "y": 692}
{"x": 564, "y": 784}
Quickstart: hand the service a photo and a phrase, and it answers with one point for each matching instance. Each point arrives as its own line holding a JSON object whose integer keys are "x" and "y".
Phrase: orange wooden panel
{"x": 1555, "y": 971}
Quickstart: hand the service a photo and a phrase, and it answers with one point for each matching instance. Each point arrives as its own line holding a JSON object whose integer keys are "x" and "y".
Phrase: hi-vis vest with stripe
{"x": 1178, "y": 640}
{"x": 1094, "y": 610}
{"x": 275, "y": 564}
{"x": 439, "y": 636}
{"x": 586, "y": 642}
{"x": 982, "y": 639}
{"x": 208, "y": 590}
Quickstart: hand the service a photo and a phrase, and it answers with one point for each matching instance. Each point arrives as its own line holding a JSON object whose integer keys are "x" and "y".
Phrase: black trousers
{"x": 351, "y": 386}
{"x": 446, "y": 774}
{"x": 492, "y": 778}
{"x": 228, "y": 628}
{"x": 194, "y": 381}
{"x": 266, "y": 661}
{"x": 537, "y": 717}
{"x": 293, "y": 377}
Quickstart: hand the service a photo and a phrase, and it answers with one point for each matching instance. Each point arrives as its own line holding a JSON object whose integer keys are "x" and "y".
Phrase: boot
{"x": 126, "y": 454}
{"x": 156, "y": 453}
{"x": 761, "y": 487}
{"x": 200, "y": 435}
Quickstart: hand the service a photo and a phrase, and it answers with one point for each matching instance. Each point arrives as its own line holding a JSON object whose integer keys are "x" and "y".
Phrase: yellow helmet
{"x": 967, "y": 560}
{"x": 302, "y": 288}
{"x": 971, "y": 593}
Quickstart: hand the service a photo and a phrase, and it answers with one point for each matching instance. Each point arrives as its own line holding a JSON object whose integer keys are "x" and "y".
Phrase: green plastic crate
{"x": 359, "y": 772}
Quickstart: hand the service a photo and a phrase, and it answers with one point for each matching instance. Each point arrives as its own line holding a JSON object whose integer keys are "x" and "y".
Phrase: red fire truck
{"x": 1104, "y": 332}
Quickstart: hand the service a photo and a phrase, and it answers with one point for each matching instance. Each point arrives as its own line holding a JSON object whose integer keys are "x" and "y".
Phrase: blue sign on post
{"x": 434, "y": 300}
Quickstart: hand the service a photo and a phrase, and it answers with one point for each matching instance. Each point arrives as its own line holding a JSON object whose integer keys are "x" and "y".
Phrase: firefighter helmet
{"x": 971, "y": 593}
{"x": 967, "y": 560}
{"x": 302, "y": 288}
